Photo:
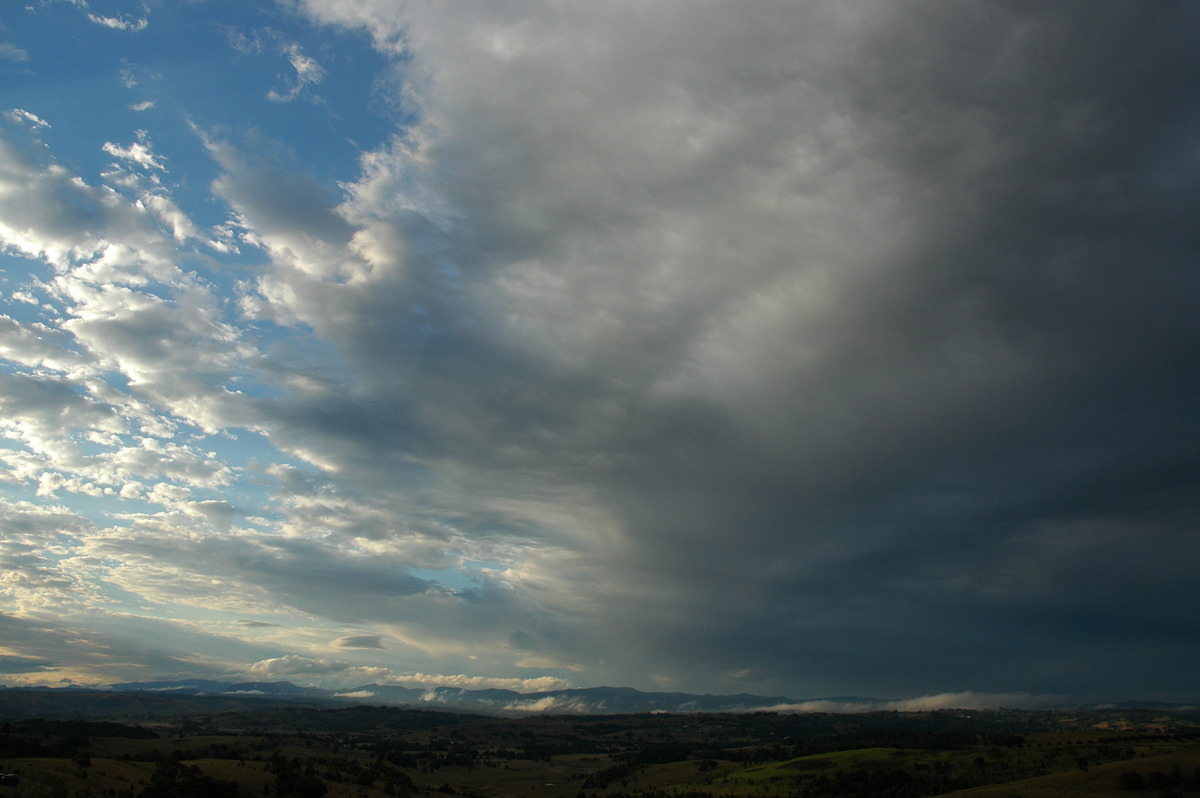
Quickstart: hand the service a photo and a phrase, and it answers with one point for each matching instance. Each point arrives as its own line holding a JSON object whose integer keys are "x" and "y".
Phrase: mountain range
{"x": 584, "y": 701}
{"x": 199, "y": 695}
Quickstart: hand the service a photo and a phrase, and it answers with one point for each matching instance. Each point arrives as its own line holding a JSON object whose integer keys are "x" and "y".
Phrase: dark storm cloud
{"x": 778, "y": 345}
{"x": 979, "y": 450}
{"x": 1009, "y": 482}
{"x": 820, "y": 348}
{"x": 856, "y": 336}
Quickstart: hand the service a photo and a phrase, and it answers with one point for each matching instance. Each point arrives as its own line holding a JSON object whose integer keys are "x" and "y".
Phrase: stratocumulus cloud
{"x": 798, "y": 349}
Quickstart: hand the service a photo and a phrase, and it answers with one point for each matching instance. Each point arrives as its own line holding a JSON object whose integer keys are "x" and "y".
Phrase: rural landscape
{"x": 63, "y": 744}
{"x": 627, "y": 399}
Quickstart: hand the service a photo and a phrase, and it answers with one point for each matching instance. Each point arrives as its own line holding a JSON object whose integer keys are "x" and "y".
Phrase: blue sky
{"x": 801, "y": 349}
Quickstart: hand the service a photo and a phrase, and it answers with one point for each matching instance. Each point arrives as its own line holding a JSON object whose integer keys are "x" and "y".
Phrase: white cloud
{"x": 347, "y": 673}
{"x": 140, "y": 152}
{"x": 929, "y": 703}
{"x": 560, "y": 705}
{"x": 120, "y": 23}
{"x": 11, "y": 52}
{"x": 34, "y": 409}
{"x": 464, "y": 682}
{"x": 20, "y": 115}
{"x": 39, "y": 345}
{"x": 30, "y": 579}
{"x": 47, "y": 213}
{"x": 320, "y": 670}
{"x": 308, "y": 73}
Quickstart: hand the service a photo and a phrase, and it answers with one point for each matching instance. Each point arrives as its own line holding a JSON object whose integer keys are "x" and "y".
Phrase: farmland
{"x": 249, "y": 748}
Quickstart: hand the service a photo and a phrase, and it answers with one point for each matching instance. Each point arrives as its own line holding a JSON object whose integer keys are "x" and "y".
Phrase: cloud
{"x": 319, "y": 670}
{"x": 65, "y": 221}
{"x": 775, "y": 318}
{"x": 33, "y": 582}
{"x": 559, "y": 705}
{"x": 929, "y": 703}
{"x": 97, "y": 648}
{"x": 359, "y": 641}
{"x": 11, "y": 52}
{"x": 20, "y": 115}
{"x": 726, "y": 349}
{"x": 293, "y": 664}
{"x": 139, "y": 153}
{"x": 290, "y": 213}
{"x": 104, "y": 246}
{"x": 120, "y": 23}
{"x": 9, "y": 664}
{"x": 308, "y": 73}
{"x": 465, "y": 682}
{"x": 38, "y": 345}
{"x": 346, "y": 673}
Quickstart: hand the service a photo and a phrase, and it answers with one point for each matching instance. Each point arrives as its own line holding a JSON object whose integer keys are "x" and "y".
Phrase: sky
{"x": 811, "y": 349}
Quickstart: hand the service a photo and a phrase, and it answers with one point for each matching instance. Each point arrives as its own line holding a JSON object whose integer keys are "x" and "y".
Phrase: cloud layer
{"x": 819, "y": 349}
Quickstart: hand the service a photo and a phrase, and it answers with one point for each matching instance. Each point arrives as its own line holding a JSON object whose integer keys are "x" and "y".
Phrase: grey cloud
{"x": 219, "y": 513}
{"x": 43, "y": 413}
{"x": 50, "y": 415}
{"x": 36, "y": 345}
{"x": 10, "y": 664}
{"x": 806, "y": 349}
{"x": 162, "y": 560}
{"x": 277, "y": 202}
{"x": 101, "y": 649}
{"x": 50, "y": 214}
{"x": 50, "y": 203}
{"x": 834, "y": 334}
{"x": 44, "y": 402}
{"x": 177, "y": 352}
{"x": 359, "y": 641}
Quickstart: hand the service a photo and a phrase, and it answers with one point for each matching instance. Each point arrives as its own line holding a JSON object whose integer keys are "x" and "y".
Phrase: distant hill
{"x": 185, "y": 696}
{"x": 74, "y": 703}
{"x": 583, "y": 701}
{"x": 178, "y": 697}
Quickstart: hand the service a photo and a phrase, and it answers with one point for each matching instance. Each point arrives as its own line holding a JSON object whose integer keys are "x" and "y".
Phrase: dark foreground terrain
{"x": 155, "y": 747}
